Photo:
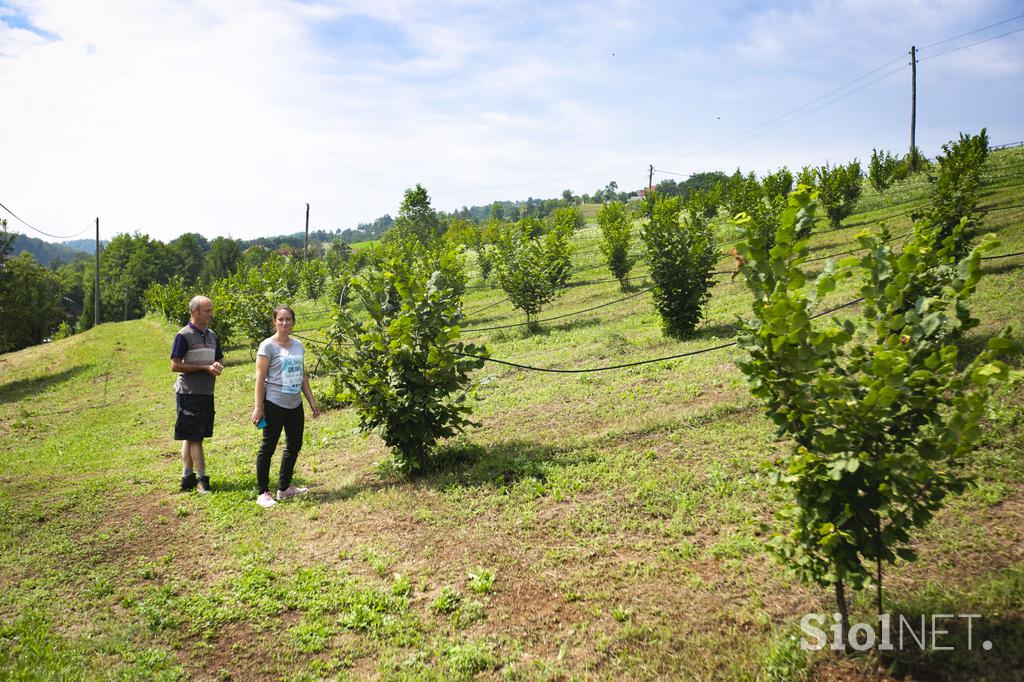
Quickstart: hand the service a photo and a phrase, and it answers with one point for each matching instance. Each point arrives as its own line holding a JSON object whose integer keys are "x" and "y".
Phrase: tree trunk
{"x": 878, "y": 564}
{"x": 845, "y": 622}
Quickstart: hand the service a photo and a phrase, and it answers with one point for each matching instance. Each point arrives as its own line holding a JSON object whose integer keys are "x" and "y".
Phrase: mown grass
{"x": 608, "y": 524}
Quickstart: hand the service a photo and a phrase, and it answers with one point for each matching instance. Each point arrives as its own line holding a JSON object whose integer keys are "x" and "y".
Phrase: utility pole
{"x": 305, "y": 249}
{"x": 650, "y": 177}
{"x": 913, "y": 107}
{"x": 96, "y": 282}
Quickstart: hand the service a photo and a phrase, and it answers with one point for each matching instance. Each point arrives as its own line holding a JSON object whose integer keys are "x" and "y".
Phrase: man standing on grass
{"x": 196, "y": 355}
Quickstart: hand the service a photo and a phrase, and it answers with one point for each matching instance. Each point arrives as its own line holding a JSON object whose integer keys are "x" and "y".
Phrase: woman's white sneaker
{"x": 290, "y": 492}
{"x": 265, "y": 500}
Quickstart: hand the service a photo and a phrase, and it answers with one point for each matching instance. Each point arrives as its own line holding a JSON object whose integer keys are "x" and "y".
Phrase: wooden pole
{"x": 305, "y": 249}
{"x": 913, "y": 107}
{"x": 96, "y": 282}
{"x": 650, "y": 177}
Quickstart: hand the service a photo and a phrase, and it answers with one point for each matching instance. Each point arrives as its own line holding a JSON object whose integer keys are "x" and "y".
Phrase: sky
{"x": 225, "y": 117}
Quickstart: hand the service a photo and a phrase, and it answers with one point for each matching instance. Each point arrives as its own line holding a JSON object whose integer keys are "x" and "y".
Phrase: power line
{"x": 791, "y": 111}
{"x": 486, "y": 189}
{"x": 979, "y": 42}
{"x": 54, "y": 236}
{"x": 977, "y": 30}
{"x": 800, "y": 108}
{"x": 821, "y": 106}
{"x": 665, "y": 172}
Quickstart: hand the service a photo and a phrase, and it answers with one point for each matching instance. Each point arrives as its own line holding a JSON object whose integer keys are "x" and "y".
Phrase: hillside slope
{"x": 621, "y": 514}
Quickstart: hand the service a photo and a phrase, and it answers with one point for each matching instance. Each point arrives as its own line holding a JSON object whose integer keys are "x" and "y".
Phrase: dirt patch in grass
{"x": 1003, "y": 520}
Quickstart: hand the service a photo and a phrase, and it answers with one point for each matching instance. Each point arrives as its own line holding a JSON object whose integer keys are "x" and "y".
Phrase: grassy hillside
{"x": 606, "y": 524}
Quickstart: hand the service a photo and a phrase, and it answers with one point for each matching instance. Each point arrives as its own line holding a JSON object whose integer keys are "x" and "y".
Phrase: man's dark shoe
{"x": 204, "y": 484}
{"x": 188, "y": 483}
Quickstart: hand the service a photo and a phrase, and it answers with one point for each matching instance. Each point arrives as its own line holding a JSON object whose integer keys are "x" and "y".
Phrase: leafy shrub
{"x": 313, "y": 274}
{"x": 336, "y": 258}
{"x": 417, "y": 220}
{"x": 558, "y": 252}
{"x": 613, "y": 221}
{"x": 523, "y": 269}
{"x": 880, "y": 416}
{"x": 569, "y": 217}
{"x": 449, "y": 260}
{"x": 280, "y": 275}
{"x": 242, "y": 305}
{"x": 681, "y": 258}
{"x": 64, "y": 330}
{"x": 485, "y": 259}
{"x": 839, "y": 188}
{"x": 405, "y": 374}
{"x": 742, "y": 193}
{"x": 169, "y": 301}
{"x": 705, "y": 202}
{"x": 884, "y": 169}
{"x": 921, "y": 163}
{"x": 777, "y": 186}
{"x": 956, "y": 188}
{"x": 807, "y": 176}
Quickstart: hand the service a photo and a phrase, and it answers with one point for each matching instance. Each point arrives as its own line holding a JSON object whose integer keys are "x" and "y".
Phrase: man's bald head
{"x": 201, "y": 309}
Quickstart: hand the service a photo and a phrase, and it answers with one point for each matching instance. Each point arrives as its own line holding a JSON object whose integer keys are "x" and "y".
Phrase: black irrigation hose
{"x": 306, "y": 338}
{"x": 999, "y": 208}
{"x": 619, "y": 300}
{"x": 486, "y": 307}
{"x": 634, "y": 295}
{"x": 846, "y": 253}
{"x": 589, "y": 267}
{"x": 559, "y": 317}
{"x": 639, "y": 362}
{"x": 1005, "y": 255}
{"x": 736, "y": 241}
{"x": 323, "y": 351}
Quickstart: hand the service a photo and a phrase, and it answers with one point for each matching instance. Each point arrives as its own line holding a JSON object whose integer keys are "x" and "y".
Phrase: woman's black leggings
{"x": 292, "y": 421}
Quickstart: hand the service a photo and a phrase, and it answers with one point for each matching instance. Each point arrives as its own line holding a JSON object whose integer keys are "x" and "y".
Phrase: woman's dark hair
{"x": 279, "y": 308}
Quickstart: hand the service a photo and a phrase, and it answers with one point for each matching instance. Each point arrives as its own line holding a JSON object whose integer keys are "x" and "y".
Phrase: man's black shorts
{"x": 195, "y": 417}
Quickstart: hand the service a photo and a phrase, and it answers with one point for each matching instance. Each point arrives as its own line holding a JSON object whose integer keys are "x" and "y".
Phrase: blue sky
{"x": 226, "y": 117}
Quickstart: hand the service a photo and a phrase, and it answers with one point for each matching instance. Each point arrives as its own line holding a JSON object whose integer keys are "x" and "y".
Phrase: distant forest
{"x": 54, "y": 255}
{"x": 53, "y": 283}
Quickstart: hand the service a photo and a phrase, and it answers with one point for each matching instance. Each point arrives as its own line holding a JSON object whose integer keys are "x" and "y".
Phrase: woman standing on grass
{"x": 280, "y": 383}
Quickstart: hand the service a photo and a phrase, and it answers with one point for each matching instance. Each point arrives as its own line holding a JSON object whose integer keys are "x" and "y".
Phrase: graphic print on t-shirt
{"x": 291, "y": 373}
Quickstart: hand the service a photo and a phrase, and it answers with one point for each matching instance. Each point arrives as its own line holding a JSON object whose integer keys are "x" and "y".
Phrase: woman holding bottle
{"x": 281, "y": 382}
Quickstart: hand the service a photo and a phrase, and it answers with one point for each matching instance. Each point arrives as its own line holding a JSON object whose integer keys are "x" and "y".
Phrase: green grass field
{"x": 599, "y": 525}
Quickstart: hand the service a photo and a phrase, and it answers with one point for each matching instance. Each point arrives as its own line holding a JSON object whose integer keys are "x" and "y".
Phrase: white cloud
{"x": 222, "y": 117}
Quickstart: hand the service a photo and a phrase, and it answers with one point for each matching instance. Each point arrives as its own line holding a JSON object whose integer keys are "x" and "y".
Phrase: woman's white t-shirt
{"x": 284, "y": 377}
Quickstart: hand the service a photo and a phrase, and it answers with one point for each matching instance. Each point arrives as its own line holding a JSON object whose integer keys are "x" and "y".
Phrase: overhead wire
{"x": 788, "y": 113}
{"x": 968, "y": 33}
{"x": 31, "y": 227}
{"x": 745, "y": 136}
{"x": 964, "y": 47}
